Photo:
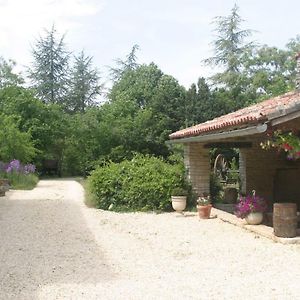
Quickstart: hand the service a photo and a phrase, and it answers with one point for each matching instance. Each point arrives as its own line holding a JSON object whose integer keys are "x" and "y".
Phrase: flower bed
{"x": 20, "y": 176}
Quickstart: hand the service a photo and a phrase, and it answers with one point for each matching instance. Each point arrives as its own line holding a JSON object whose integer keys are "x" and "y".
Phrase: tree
{"x": 229, "y": 48}
{"x": 47, "y": 124}
{"x": 7, "y": 76}
{"x": 130, "y": 63}
{"x": 198, "y": 103}
{"x": 268, "y": 71}
{"x": 14, "y": 144}
{"x": 49, "y": 72}
{"x": 149, "y": 105}
{"x": 84, "y": 84}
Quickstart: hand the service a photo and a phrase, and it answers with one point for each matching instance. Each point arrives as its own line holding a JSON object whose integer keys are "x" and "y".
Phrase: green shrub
{"x": 143, "y": 183}
{"x": 22, "y": 181}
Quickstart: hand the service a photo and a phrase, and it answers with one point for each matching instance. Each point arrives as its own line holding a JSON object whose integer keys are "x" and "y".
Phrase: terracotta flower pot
{"x": 204, "y": 211}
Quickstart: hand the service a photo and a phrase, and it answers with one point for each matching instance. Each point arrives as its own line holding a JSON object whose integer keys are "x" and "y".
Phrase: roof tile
{"x": 254, "y": 114}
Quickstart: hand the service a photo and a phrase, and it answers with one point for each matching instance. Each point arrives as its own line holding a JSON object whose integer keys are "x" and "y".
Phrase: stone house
{"x": 266, "y": 171}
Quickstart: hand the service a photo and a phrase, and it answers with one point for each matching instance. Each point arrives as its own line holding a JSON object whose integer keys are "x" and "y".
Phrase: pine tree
{"x": 84, "y": 84}
{"x": 130, "y": 63}
{"x": 49, "y": 72}
{"x": 229, "y": 48}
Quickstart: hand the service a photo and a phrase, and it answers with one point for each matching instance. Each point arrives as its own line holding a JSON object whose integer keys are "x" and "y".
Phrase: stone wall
{"x": 197, "y": 163}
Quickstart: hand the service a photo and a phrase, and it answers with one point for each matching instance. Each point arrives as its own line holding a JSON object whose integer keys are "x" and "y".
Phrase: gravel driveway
{"x": 53, "y": 247}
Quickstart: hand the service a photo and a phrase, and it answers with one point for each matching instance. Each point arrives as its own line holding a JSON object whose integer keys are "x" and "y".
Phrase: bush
{"x": 143, "y": 183}
{"x": 13, "y": 142}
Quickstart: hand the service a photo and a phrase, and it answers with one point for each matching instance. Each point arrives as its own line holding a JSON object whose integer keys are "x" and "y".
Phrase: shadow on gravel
{"x": 46, "y": 242}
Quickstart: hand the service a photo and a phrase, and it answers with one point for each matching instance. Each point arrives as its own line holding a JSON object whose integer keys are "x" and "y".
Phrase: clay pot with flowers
{"x": 204, "y": 206}
{"x": 251, "y": 208}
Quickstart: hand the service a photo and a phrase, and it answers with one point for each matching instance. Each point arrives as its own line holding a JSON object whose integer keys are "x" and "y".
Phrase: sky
{"x": 174, "y": 34}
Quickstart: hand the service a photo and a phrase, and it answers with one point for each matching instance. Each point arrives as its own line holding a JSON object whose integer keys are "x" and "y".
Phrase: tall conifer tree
{"x": 49, "y": 71}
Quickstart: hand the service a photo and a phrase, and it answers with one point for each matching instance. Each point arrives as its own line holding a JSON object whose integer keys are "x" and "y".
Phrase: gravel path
{"x": 53, "y": 247}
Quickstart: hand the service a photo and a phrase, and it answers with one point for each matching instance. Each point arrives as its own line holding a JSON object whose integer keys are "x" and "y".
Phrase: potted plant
{"x": 251, "y": 208}
{"x": 204, "y": 206}
{"x": 178, "y": 198}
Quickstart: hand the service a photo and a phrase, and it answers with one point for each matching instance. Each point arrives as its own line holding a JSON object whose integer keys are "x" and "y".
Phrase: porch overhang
{"x": 260, "y": 128}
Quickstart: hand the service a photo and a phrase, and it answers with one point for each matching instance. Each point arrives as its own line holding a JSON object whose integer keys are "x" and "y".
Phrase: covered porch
{"x": 268, "y": 172}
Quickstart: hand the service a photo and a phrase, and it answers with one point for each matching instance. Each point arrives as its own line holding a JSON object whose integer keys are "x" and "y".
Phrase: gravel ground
{"x": 53, "y": 247}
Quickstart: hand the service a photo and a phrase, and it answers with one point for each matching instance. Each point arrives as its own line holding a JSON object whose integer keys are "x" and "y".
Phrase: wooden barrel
{"x": 285, "y": 219}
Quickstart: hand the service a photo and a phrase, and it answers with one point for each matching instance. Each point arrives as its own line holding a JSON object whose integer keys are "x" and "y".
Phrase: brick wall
{"x": 197, "y": 163}
{"x": 257, "y": 170}
{"x": 260, "y": 171}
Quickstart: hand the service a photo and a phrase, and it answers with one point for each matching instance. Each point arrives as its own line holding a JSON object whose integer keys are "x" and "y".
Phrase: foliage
{"x": 286, "y": 141}
{"x": 7, "y": 75}
{"x": 90, "y": 199}
{"x": 146, "y": 106}
{"x": 270, "y": 71}
{"x": 177, "y": 191}
{"x": 49, "y": 71}
{"x": 143, "y": 183}
{"x": 233, "y": 174}
{"x": 249, "y": 204}
{"x": 130, "y": 63}
{"x": 20, "y": 176}
{"x": 13, "y": 142}
{"x": 199, "y": 103}
{"x": 84, "y": 84}
{"x": 229, "y": 48}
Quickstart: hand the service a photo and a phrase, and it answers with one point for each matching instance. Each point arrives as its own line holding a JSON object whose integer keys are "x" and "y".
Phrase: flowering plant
{"x": 288, "y": 142}
{"x": 249, "y": 204}
{"x": 20, "y": 176}
{"x": 203, "y": 200}
{"x": 15, "y": 166}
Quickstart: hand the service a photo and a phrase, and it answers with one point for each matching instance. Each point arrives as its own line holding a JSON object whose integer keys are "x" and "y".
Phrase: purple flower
{"x": 29, "y": 168}
{"x": 17, "y": 167}
{"x": 8, "y": 169}
{"x": 248, "y": 204}
{"x": 14, "y": 165}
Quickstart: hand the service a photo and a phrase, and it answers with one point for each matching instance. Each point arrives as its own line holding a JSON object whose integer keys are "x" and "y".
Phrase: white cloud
{"x": 22, "y": 21}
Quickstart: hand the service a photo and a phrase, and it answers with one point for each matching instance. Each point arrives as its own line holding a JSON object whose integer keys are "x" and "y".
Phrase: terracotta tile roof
{"x": 251, "y": 115}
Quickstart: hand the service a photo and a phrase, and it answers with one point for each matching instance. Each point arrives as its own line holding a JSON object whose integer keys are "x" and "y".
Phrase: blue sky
{"x": 176, "y": 35}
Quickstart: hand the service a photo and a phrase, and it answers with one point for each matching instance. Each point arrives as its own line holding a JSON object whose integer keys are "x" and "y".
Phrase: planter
{"x": 204, "y": 211}
{"x": 254, "y": 218}
{"x": 178, "y": 203}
